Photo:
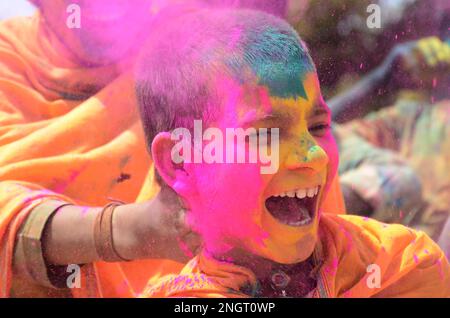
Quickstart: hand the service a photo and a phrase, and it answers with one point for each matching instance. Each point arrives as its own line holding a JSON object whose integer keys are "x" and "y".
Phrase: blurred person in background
{"x": 346, "y": 48}
{"x": 396, "y": 159}
{"x": 386, "y": 157}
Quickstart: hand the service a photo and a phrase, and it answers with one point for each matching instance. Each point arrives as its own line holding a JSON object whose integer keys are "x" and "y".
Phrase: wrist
{"x": 125, "y": 236}
{"x": 131, "y": 229}
{"x": 383, "y": 74}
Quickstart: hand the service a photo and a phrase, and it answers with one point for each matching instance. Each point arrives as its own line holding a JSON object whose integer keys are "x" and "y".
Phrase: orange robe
{"x": 71, "y": 132}
{"x": 352, "y": 250}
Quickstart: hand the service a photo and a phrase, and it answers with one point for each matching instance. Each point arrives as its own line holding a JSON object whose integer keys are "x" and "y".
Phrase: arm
{"x": 351, "y": 103}
{"x": 415, "y": 64}
{"x": 150, "y": 229}
{"x": 141, "y": 230}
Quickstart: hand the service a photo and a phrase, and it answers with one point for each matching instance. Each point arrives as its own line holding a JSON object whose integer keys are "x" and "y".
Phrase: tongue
{"x": 288, "y": 210}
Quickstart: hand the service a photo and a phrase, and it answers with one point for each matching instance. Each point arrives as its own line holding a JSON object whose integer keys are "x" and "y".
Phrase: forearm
{"x": 353, "y": 102}
{"x": 68, "y": 237}
{"x": 55, "y": 234}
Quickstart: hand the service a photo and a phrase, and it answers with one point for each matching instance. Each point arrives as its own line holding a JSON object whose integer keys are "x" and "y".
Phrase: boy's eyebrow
{"x": 285, "y": 118}
{"x": 280, "y": 117}
{"x": 320, "y": 108}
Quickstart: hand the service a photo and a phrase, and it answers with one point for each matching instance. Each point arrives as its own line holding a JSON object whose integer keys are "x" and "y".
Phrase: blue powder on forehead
{"x": 283, "y": 81}
{"x": 279, "y": 61}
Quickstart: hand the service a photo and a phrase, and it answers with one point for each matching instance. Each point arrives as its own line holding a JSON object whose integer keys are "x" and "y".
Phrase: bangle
{"x": 103, "y": 236}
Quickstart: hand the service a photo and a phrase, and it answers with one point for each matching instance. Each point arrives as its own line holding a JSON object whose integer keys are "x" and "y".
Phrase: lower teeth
{"x": 290, "y": 211}
{"x": 305, "y": 218}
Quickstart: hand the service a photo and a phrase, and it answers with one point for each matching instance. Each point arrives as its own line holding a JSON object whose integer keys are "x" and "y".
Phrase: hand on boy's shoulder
{"x": 367, "y": 258}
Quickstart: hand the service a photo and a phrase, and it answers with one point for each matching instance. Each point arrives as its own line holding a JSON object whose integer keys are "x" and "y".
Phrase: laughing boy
{"x": 265, "y": 235}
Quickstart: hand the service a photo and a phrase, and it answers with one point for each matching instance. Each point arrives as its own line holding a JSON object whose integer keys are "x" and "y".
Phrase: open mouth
{"x": 294, "y": 208}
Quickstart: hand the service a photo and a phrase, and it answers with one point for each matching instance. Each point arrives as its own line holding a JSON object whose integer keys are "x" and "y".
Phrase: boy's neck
{"x": 267, "y": 272}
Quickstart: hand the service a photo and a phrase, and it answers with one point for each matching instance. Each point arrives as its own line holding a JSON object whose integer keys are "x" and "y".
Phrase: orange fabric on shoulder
{"x": 334, "y": 202}
{"x": 360, "y": 258}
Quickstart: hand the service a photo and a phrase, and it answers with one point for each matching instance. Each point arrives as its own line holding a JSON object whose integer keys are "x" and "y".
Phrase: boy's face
{"x": 276, "y": 216}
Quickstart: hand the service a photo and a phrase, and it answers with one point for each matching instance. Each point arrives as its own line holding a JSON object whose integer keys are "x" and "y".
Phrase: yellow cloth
{"x": 409, "y": 262}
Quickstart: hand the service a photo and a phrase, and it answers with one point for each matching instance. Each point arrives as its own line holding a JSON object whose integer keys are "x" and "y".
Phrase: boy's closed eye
{"x": 319, "y": 122}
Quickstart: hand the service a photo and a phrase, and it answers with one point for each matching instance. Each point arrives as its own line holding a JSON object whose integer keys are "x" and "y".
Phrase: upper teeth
{"x": 299, "y": 193}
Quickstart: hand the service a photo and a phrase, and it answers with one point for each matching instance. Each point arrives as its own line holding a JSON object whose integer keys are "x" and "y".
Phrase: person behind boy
{"x": 264, "y": 234}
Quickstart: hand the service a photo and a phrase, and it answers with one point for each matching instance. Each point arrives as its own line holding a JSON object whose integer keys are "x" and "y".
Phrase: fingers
{"x": 433, "y": 51}
{"x": 193, "y": 242}
{"x": 181, "y": 224}
{"x": 441, "y": 50}
{"x": 169, "y": 197}
{"x": 189, "y": 240}
{"x": 427, "y": 50}
{"x": 189, "y": 245}
{"x": 179, "y": 227}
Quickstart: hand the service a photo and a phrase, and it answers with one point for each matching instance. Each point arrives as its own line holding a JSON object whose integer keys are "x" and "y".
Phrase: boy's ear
{"x": 169, "y": 171}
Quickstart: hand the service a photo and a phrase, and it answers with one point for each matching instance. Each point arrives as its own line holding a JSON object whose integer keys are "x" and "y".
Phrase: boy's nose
{"x": 308, "y": 155}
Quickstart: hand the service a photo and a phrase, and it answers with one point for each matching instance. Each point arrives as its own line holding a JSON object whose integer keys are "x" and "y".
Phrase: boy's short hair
{"x": 275, "y": 7}
{"x": 177, "y": 70}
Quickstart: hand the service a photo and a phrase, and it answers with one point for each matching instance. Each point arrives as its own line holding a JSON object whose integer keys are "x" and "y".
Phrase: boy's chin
{"x": 290, "y": 254}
